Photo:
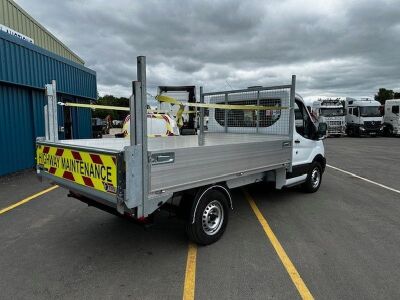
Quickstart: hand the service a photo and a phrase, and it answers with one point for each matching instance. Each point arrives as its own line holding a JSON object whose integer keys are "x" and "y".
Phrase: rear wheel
{"x": 314, "y": 178}
{"x": 209, "y": 216}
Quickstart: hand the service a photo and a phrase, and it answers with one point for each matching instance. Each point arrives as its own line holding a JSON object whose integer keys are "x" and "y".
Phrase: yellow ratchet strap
{"x": 122, "y": 108}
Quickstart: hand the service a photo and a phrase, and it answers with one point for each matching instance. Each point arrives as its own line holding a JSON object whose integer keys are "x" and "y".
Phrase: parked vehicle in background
{"x": 97, "y": 128}
{"x": 331, "y": 112}
{"x": 363, "y": 117}
{"x": 391, "y": 118}
{"x": 117, "y": 123}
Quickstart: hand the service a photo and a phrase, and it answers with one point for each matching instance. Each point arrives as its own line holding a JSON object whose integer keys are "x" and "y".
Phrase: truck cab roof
{"x": 392, "y": 102}
{"x": 363, "y": 103}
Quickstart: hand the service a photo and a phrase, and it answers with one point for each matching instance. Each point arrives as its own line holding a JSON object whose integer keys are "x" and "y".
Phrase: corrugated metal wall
{"x": 15, "y": 109}
{"x": 25, "y": 64}
{"x": 13, "y": 16}
{"x": 22, "y": 120}
{"x": 24, "y": 70}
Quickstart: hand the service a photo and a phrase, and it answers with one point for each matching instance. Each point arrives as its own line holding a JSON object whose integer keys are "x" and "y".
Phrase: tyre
{"x": 350, "y": 132}
{"x": 314, "y": 178}
{"x": 210, "y": 215}
{"x": 388, "y": 131}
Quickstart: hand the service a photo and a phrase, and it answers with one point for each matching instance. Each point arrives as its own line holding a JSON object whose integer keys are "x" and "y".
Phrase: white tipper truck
{"x": 331, "y": 112}
{"x": 363, "y": 117}
{"x": 255, "y": 140}
{"x": 391, "y": 118}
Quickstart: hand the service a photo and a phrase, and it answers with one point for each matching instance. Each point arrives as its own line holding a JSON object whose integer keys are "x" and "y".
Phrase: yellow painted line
{"x": 190, "y": 274}
{"x": 290, "y": 268}
{"x": 6, "y": 209}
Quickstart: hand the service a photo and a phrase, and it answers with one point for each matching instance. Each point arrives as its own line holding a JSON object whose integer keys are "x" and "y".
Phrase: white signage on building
{"x": 16, "y": 34}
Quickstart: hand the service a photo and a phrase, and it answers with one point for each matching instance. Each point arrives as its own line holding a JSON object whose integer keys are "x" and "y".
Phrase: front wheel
{"x": 387, "y": 131}
{"x": 209, "y": 217}
{"x": 350, "y": 132}
{"x": 314, "y": 178}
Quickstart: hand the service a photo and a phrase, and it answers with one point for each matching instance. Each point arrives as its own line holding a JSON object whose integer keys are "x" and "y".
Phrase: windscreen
{"x": 370, "y": 111}
{"x": 332, "y": 112}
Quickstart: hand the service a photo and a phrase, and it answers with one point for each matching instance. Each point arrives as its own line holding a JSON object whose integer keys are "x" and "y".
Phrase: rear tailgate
{"x": 92, "y": 171}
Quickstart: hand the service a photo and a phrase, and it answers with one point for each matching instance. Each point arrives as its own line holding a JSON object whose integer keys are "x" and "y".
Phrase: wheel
{"x": 210, "y": 215}
{"x": 350, "y": 132}
{"x": 388, "y": 131}
{"x": 314, "y": 178}
{"x": 357, "y": 132}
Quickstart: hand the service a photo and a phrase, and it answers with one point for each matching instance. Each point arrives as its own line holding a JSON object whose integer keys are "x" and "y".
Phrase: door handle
{"x": 297, "y": 141}
{"x": 162, "y": 158}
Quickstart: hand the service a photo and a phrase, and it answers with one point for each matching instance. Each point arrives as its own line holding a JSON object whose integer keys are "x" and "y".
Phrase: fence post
{"x": 291, "y": 111}
{"x": 226, "y": 114}
{"x": 141, "y": 75}
{"x": 51, "y": 112}
{"x": 258, "y": 112}
{"x": 201, "y": 121}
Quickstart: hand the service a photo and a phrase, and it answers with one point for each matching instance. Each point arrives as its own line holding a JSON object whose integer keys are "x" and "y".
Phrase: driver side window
{"x": 304, "y": 125}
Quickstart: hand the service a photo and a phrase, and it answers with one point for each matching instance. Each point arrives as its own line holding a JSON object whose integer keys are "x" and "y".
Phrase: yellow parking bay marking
{"x": 365, "y": 179}
{"x": 290, "y": 268}
{"x": 190, "y": 274}
{"x": 4, "y": 210}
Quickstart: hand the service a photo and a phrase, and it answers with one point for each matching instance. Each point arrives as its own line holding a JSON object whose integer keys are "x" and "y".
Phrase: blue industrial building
{"x": 24, "y": 70}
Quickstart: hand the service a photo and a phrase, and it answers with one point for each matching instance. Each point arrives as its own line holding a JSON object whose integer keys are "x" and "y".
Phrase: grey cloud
{"x": 335, "y": 47}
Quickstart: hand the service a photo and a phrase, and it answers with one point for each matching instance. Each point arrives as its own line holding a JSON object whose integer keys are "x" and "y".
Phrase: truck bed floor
{"x": 175, "y": 142}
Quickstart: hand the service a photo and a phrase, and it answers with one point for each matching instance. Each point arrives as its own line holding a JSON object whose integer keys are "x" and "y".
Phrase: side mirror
{"x": 322, "y": 128}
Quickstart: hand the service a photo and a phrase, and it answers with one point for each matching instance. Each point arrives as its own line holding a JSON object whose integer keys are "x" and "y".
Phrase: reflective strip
{"x": 93, "y": 170}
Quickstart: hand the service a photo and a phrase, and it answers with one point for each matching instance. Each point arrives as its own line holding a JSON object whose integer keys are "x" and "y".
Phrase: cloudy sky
{"x": 336, "y": 48}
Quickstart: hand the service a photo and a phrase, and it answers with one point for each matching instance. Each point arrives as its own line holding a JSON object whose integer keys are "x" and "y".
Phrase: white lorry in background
{"x": 331, "y": 112}
{"x": 391, "y": 118}
{"x": 363, "y": 117}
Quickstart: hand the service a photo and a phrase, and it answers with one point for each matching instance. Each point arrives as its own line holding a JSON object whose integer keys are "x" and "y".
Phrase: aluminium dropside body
{"x": 136, "y": 176}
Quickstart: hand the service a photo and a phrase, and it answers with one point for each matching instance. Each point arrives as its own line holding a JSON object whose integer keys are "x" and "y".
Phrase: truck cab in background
{"x": 391, "y": 118}
{"x": 331, "y": 112}
{"x": 363, "y": 117}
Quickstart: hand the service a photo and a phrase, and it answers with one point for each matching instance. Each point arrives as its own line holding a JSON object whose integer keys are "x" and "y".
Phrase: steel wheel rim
{"x": 213, "y": 217}
{"x": 315, "y": 177}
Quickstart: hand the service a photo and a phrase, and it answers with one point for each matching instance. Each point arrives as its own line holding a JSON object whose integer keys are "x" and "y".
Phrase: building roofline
{"x": 45, "y": 52}
{"x": 26, "y": 14}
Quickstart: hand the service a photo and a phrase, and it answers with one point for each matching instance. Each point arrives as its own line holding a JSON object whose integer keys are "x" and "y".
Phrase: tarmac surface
{"x": 343, "y": 240}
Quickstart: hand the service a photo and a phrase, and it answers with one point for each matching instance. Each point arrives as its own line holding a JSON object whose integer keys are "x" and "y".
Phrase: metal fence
{"x": 259, "y": 110}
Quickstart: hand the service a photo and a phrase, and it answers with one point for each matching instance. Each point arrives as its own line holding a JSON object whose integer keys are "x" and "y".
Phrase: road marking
{"x": 190, "y": 275}
{"x": 290, "y": 268}
{"x": 6, "y": 209}
{"x": 365, "y": 179}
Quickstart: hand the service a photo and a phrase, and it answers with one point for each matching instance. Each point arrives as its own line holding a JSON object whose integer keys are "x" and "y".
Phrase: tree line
{"x": 110, "y": 100}
{"x": 384, "y": 94}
